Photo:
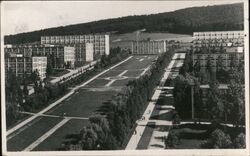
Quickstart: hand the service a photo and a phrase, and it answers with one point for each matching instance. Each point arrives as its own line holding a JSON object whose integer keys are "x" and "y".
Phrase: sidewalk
{"x": 74, "y": 72}
{"x": 134, "y": 140}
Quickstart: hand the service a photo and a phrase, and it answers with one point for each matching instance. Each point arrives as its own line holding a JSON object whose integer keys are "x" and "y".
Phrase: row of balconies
{"x": 217, "y": 33}
{"x": 74, "y": 37}
{"x": 218, "y": 45}
{"x": 216, "y": 56}
{"x": 218, "y": 40}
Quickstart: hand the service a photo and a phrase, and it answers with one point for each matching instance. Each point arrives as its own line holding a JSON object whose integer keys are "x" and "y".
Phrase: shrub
{"x": 240, "y": 141}
{"x": 220, "y": 139}
{"x": 172, "y": 140}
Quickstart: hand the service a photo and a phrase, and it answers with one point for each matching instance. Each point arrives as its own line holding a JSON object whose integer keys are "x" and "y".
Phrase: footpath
{"x": 28, "y": 120}
{"x": 145, "y": 120}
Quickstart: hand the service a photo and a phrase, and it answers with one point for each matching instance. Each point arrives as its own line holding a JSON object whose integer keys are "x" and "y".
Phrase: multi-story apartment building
{"x": 57, "y": 55}
{"x": 224, "y": 46}
{"x": 89, "y": 52}
{"x": 217, "y": 40}
{"x": 148, "y": 47}
{"x": 100, "y": 43}
{"x": 84, "y": 52}
{"x": 226, "y": 59}
{"x": 23, "y": 64}
{"x": 69, "y": 57}
{"x": 39, "y": 64}
{"x": 211, "y": 35}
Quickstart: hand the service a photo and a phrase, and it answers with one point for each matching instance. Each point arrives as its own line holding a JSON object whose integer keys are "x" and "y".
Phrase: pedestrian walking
{"x": 149, "y": 111}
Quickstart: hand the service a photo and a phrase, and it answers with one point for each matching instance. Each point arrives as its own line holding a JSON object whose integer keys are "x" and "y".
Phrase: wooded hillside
{"x": 185, "y": 21}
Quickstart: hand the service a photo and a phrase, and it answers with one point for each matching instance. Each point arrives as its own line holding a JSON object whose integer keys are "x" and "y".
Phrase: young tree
{"x": 14, "y": 98}
{"x": 220, "y": 139}
{"x": 172, "y": 140}
{"x": 88, "y": 139}
{"x": 236, "y": 102}
{"x": 209, "y": 69}
{"x": 240, "y": 141}
{"x": 214, "y": 103}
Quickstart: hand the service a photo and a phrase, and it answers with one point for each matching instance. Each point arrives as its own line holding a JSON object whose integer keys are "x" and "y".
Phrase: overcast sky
{"x": 27, "y": 16}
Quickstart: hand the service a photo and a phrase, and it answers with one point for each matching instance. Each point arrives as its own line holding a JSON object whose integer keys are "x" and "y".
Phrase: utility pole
{"x": 192, "y": 100}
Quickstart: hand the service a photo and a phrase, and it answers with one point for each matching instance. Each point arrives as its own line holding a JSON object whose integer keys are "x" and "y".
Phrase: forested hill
{"x": 209, "y": 18}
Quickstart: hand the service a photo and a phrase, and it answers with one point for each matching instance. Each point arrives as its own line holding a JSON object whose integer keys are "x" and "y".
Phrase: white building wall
{"x": 148, "y": 47}
{"x": 40, "y": 64}
{"x": 101, "y": 42}
{"x": 69, "y": 55}
{"x": 107, "y": 44}
{"x": 89, "y": 49}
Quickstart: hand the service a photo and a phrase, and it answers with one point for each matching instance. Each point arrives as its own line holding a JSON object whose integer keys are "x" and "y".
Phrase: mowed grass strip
{"x": 146, "y": 136}
{"x": 111, "y": 73}
{"x": 30, "y": 134}
{"x": 54, "y": 142}
{"x": 121, "y": 82}
{"x": 134, "y": 73}
{"x": 98, "y": 83}
{"x": 82, "y": 104}
{"x": 134, "y": 63}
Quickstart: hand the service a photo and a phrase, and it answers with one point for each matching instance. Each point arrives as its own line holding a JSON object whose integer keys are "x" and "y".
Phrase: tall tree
{"x": 214, "y": 102}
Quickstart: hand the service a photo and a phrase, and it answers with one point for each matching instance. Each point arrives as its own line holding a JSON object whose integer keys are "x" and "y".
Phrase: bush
{"x": 220, "y": 139}
{"x": 240, "y": 141}
{"x": 172, "y": 140}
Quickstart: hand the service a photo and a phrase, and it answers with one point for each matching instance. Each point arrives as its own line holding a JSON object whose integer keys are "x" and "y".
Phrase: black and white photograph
{"x": 125, "y": 77}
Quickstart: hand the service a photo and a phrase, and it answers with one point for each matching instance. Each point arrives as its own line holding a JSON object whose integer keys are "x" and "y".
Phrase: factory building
{"x": 100, "y": 43}
{"x": 148, "y": 47}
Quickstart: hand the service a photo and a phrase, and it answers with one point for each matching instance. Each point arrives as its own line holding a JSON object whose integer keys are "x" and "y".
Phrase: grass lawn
{"x": 30, "y": 134}
{"x": 111, "y": 73}
{"x": 161, "y": 35}
{"x": 122, "y": 82}
{"x": 58, "y": 72}
{"x": 54, "y": 141}
{"x": 124, "y": 40}
{"x": 82, "y": 104}
{"x": 165, "y": 116}
{"x": 133, "y": 73}
{"x": 135, "y": 63}
{"x": 189, "y": 144}
{"x": 97, "y": 83}
{"x": 191, "y": 136}
{"x": 169, "y": 82}
{"x": 22, "y": 118}
{"x": 165, "y": 100}
{"x": 146, "y": 136}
